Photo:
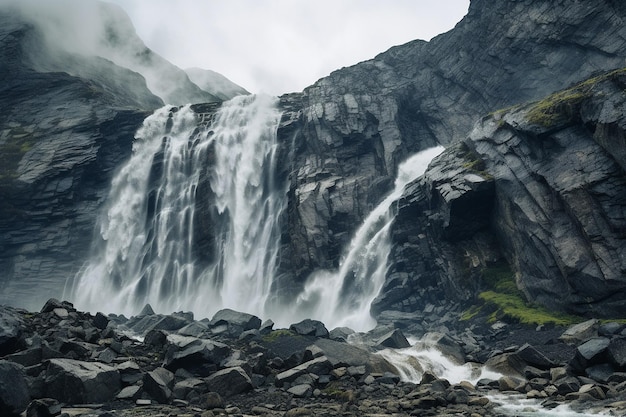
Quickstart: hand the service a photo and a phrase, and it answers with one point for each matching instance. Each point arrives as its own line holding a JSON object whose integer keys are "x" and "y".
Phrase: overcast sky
{"x": 280, "y": 46}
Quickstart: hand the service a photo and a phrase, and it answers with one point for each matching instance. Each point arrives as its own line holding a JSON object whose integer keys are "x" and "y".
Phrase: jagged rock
{"x": 617, "y": 352}
{"x": 53, "y": 304}
{"x": 318, "y": 366}
{"x": 146, "y": 311}
{"x": 100, "y": 321}
{"x": 158, "y": 384}
{"x": 14, "y": 391}
{"x": 507, "y": 364}
{"x": 394, "y": 339}
{"x": 533, "y": 357}
{"x": 310, "y": 327}
{"x": 130, "y": 372}
{"x": 343, "y": 354}
{"x": 301, "y": 390}
{"x": 194, "y": 329}
{"x": 567, "y": 385}
{"x": 183, "y": 388}
{"x": 132, "y": 392}
{"x": 229, "y": 381}
{"x": 73, "y": 381}
{"x": 10, "y": 330}
{"x": 340, "y": 333}
{"x": 43, "y": 407}
{"x": 236, "y": 319}
{"x": 581, "y": 332}
{"x": 600, "y": 373}
{"x": 592, "y": 352}
{"x": 196, "y": 355}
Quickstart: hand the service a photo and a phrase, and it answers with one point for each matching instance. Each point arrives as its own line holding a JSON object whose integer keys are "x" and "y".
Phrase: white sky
{"x": 280, "y": 46}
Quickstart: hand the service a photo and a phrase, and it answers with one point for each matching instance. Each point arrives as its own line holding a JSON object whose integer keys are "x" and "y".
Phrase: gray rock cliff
{"x": 350, "y": 130}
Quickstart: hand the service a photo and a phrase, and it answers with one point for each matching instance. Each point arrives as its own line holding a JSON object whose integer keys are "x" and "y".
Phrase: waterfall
{"x": 143, "y": 251}
{"x": 343, "y": 297}
{"x": 146, "y": 245}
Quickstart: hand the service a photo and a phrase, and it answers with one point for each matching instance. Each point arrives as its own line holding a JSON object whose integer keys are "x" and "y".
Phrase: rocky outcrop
{"x": 349, "y": 131}
{"x": 537, "y": 186}
{"x": 61, "y": 139}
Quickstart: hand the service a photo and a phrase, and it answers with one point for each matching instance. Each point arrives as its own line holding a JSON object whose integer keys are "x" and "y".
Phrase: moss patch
{"x": 473, "y": 161}
{"x": 562, "y": 107}
{"x": 277, "y": 334}
{"x": 18, "y": 142}
{"x": 502, "y": 300}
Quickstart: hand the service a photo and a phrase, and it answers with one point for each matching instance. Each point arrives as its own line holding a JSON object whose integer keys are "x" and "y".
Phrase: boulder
{"x": 196, "y": 355}
{"x": 158, "y": 384}
{"x": 617, "y": 353}
{"x": 301, "y": 390}
{"x": 592, "y": 352}
{"x": 310, "y": 327}
{"x": 318, "y": 366}
{"x": 229, "y": 381}
{"x": 581, "y": 332}
{"x": 183, "y": 388}
{"x": 600, "y": 373}
{"x": 507, "y": 364}
{"x": 10, "y": 330}
{"x": 73, "y": 381}
{"x": 342, "y": 354}
{"x": 533, "y": 357}
{"x": 395, "y": 339}
{"x": 236, "y": 319}
{"x": 341, "y": 334}
{"x": 14, "y": 391}
{"x": 54, "y": 304}
{"x": 100, "y": 321}
{"x": 43, "y": 407}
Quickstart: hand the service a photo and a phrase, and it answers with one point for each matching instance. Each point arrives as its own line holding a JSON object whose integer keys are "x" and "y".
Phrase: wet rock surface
{"x": 82, "y": 369}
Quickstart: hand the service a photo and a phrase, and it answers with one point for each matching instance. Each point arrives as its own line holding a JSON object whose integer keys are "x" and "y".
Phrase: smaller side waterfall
{"x": 343, "y": 297}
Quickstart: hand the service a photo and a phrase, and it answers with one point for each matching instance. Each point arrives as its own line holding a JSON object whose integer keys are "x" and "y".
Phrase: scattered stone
{"x": 73, "y": 381}
{"x": 310, "y": 327}
{"x": 533, "y": 357}
{"x": 581, "y": 332}
{"x": 158, "y": 384}
{"x": 14, "y": 391}
{"x": 395, "y": 339}
{"x": 229, "y": 381}
{"x": 301, "y": 390}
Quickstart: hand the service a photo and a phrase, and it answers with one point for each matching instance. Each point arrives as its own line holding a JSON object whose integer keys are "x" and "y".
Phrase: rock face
{"x": 538, "y": 188}
{"x": 68, "y": 121}
{"x": 351, "y": 129}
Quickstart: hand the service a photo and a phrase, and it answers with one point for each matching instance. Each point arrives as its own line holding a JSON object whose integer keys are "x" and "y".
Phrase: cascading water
{"x": 143, "y": 253}
{"x": 343, "y": 297}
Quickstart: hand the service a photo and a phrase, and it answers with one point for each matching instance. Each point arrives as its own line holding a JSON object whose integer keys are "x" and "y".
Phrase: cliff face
{"x": 351, "y": 129}
{"x": 67, "y": 123}
{"x": 538, "y": 187}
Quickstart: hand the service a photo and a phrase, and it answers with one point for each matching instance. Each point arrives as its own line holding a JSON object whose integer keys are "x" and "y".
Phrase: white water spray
{"x": 144, "y": 252}
{"x": 343, "y": 297}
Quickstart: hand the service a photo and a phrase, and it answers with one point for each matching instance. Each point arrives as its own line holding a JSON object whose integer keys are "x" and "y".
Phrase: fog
{"x": 267, "y": 46}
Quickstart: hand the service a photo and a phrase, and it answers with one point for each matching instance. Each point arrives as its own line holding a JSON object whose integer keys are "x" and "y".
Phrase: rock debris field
{"x": 63, "y": 362}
